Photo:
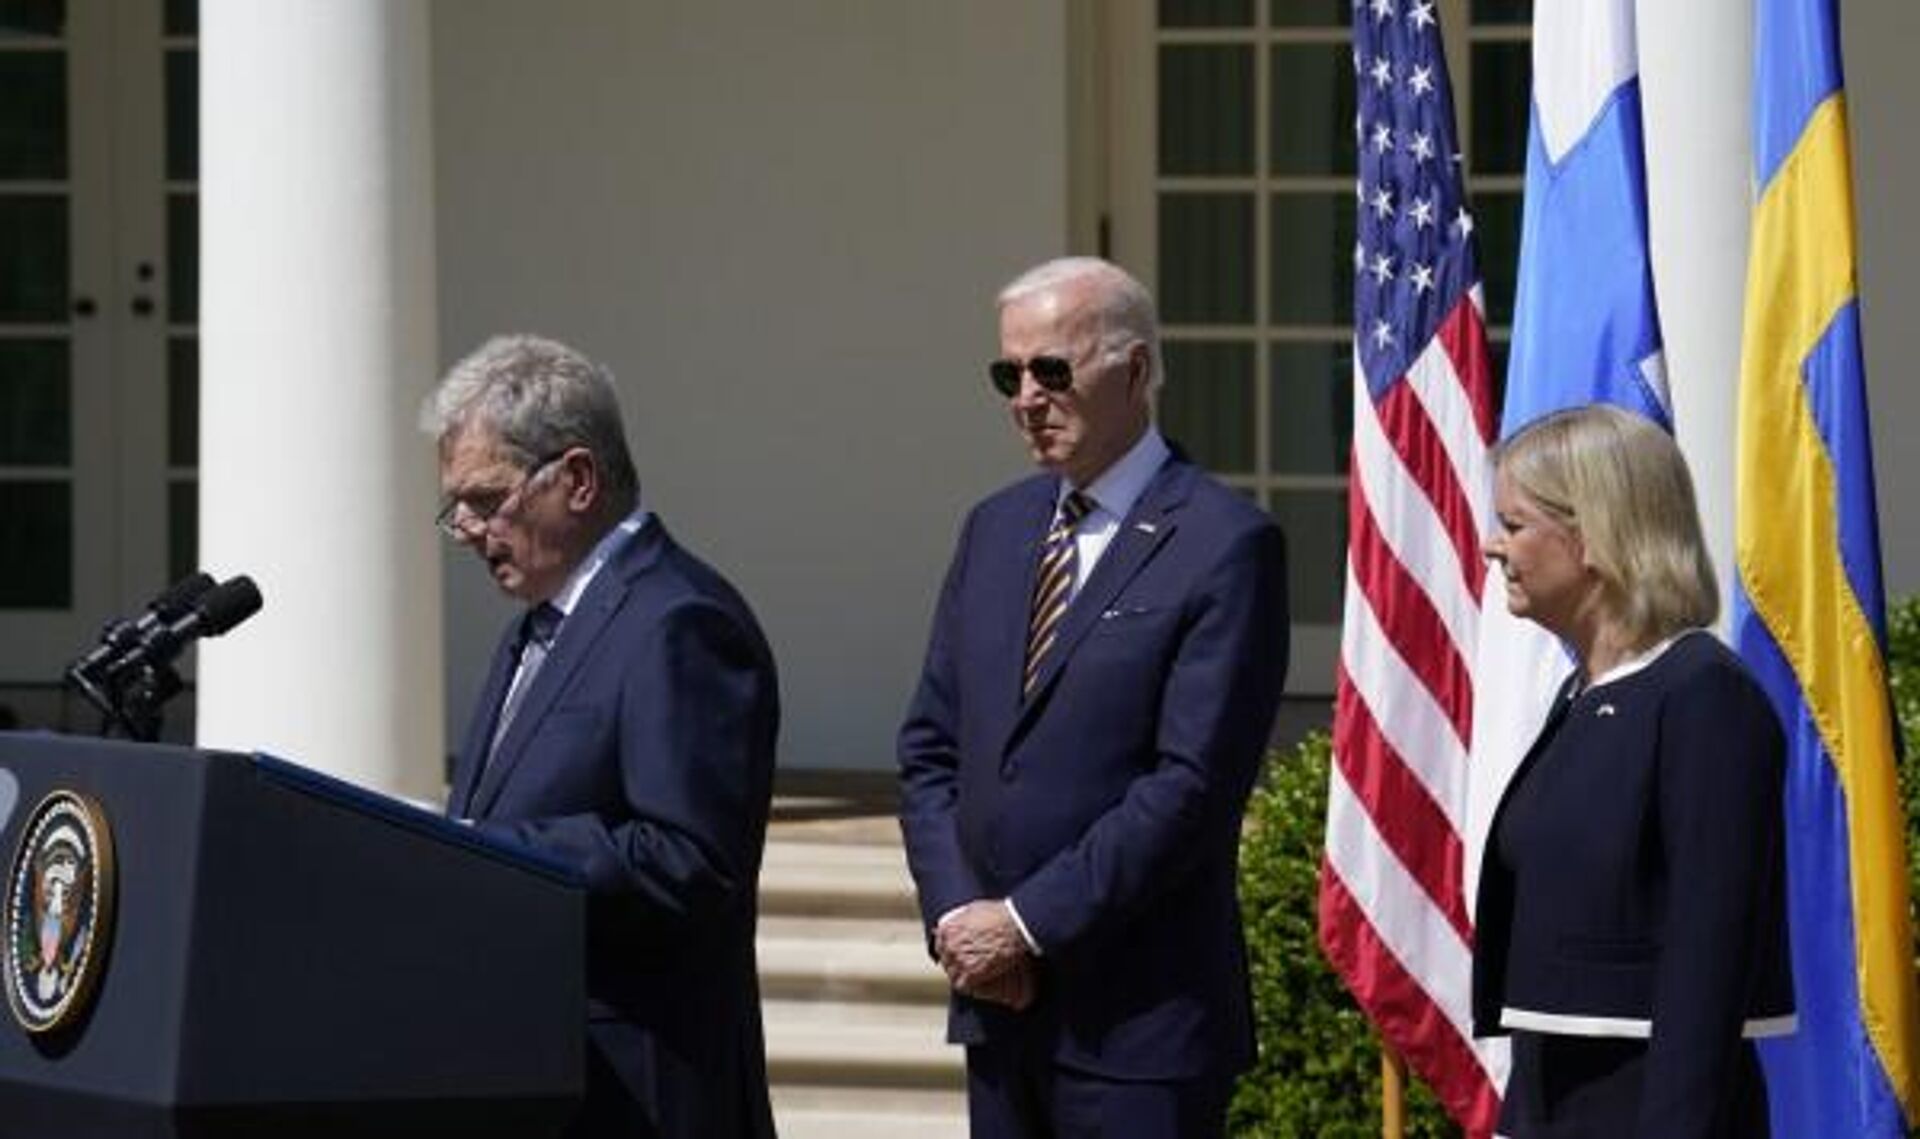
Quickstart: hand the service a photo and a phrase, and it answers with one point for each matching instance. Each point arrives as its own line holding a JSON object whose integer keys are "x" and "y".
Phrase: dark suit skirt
{"x": 1588, "y": 1087}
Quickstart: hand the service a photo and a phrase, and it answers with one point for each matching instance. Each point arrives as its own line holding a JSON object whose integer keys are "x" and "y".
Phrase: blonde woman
{"x": 1631, "y": 922}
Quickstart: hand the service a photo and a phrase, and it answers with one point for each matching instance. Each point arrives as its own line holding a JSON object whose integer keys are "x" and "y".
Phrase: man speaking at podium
{"x": 626, "y": 728}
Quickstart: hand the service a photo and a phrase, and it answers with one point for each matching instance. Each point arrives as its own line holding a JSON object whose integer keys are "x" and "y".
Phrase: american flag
{"x": 1395, "y": 919}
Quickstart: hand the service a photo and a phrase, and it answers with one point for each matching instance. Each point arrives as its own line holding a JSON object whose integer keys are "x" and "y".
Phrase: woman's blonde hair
{"x": 1621, "y": 482}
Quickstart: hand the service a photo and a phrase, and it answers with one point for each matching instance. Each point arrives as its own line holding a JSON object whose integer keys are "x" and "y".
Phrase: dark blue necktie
{"x": 537, "y": 630}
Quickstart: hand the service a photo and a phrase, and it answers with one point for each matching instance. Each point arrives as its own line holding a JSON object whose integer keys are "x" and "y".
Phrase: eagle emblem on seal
{"x": 59, "y": 912}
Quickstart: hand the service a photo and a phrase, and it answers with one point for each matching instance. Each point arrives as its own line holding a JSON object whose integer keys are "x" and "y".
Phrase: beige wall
{"x": 1881, "y": 39}
{"x": 782, "y": 225}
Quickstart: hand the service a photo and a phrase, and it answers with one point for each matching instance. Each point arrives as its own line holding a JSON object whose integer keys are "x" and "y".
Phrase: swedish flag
{"x": 1809, "y": 614}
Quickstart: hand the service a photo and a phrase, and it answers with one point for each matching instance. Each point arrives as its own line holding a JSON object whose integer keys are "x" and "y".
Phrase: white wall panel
{"x": 782, "y": 226}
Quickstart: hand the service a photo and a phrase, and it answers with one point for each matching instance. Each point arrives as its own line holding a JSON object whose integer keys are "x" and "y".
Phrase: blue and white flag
{"x": 1585, "y": 327}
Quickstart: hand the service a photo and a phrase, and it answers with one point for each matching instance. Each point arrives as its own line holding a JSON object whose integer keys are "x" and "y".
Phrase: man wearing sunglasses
{"x": 626, "y": 728}
{"x": 1107, "y": 655}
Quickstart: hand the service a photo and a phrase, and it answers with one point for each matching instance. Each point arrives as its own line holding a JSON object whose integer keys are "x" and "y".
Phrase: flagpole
{"x": 1393, "y": 1094}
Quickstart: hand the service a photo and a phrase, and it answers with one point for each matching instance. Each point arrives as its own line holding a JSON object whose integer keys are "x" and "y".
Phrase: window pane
{"x": 1502, "y": 94}
{"x": 33, "y": 115}
{"x": 1312, "y": 258}
{"x": 1496, "y": 222}
{"x": 36, "y": 531}
{"x": 1206, "y": 13}
{"x": 1206, "y": 258}
{"x": 1206, "y": 109}
{"x": 33, "y": 258}
{"x": 1503, "y": 11}
{"x": 1311, "y": 408}
{"x": 1312, "y": 13}
{"x": 32, "y": 18}
{"x": 1207, "y": 403}
{"x": 183, "y": 401}
{"x": 183, "y": 258}
{"x": 1316, "y": 526}
{"x": 183, "y": 528}
{"x": 1313, "y": 109}
{"x": 36, "y": 403}
{"x": 183, "y": 18}
{"x": 183, "y": 115}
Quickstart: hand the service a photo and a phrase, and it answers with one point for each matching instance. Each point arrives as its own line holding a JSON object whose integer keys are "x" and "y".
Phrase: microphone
{"x": 121, "y": 635}
{"x": 210, "y": 615}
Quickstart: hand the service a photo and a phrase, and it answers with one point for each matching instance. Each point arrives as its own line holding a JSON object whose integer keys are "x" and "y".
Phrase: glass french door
{"x": 98, "y": 300}
{"x": 1230, "y": 184}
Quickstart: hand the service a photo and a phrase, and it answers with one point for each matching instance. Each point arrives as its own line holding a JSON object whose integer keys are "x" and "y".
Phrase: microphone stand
{"x": 134, "y": 705}
{"x": 143, "y": 697}
{"x": 82, "y": 681}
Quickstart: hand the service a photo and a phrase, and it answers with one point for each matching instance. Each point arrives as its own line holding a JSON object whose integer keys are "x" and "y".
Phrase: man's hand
{"x": 1014, "y": 988}
{"x": 978, "y": 943}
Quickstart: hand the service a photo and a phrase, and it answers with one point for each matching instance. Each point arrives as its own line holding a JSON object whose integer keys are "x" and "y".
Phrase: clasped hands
{"x": 984, "y": 955}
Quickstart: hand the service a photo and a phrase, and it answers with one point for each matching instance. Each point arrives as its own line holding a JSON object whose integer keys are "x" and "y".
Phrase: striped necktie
{"x": 1053, "y": 586}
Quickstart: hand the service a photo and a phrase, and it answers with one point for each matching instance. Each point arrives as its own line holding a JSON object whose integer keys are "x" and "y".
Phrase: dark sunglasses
{"x": 1052, "y": 373}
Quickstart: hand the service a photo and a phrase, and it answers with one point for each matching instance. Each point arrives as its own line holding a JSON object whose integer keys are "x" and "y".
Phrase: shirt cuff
{"x": 1026, "y": 935}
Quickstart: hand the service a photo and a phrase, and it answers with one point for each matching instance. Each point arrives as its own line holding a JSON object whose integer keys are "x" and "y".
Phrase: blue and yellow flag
{"x": 1809, "y": 615}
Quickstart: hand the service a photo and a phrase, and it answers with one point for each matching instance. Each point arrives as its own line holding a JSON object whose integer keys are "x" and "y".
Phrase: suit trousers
{"x": 1588, "y": 1087}
{"x": 1016, "y": 1091}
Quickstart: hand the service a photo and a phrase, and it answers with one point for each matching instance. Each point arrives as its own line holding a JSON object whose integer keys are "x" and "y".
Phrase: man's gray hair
{"x": 539, "y": 397}
{"x": 1119, "y": 302}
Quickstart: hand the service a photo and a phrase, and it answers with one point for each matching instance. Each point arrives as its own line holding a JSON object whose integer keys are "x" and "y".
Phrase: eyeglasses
{"x": 1053, "y": 373}
{"x": 464, "y": 514}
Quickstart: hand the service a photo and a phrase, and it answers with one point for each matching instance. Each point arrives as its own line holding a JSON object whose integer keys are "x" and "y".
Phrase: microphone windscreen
{"x": 228, "y": 604}
{"x": 178, "y": 599}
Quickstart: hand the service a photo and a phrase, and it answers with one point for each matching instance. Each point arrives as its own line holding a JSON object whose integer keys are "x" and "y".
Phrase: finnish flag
{"x": 1585, "y": 330}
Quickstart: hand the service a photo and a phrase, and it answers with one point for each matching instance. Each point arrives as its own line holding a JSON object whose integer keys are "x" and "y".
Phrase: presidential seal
{"x": 59, "y": 912}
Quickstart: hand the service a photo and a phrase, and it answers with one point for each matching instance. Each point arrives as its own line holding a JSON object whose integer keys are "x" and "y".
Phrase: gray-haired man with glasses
{"x": 627, "y": 727}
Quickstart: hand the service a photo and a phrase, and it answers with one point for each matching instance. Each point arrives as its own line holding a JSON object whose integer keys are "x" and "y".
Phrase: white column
{"x": 318, "y": 342}
{"x": 1696, "y": 66}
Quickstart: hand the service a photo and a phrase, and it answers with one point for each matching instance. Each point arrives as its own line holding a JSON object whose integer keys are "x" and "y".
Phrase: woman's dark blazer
{"x": 1634, "y": 880}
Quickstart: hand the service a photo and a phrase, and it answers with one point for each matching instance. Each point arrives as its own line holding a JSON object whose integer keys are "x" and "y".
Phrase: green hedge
{"x": 1903, "y": 657}
{"x": 1318, "y": 1075}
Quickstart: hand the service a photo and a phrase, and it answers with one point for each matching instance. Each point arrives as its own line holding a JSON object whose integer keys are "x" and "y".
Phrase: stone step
{"x": 836, "y": 879}
{"x": 853, "y": 959}
{"x": 827, "y": 1112}
{"x": 855, "y": 1011}
{"x": 862, "y": 1044}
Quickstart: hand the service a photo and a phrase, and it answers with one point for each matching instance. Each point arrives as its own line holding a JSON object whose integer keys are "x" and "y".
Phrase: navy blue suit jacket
{"x": 1107, "y": 804}
{"x": 1634, "y": 880}
{"x": 643, "y": 756}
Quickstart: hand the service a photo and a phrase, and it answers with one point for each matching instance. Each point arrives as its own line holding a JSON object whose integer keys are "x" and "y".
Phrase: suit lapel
{"x": 1144, "y": 530}
{"x": 1012, "y": 551}
{"x": 578, "y": 632}
{"x": 486, "y": 709}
